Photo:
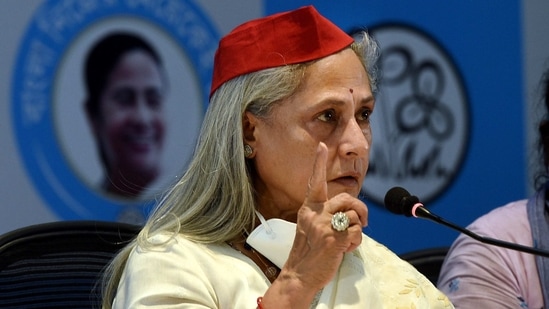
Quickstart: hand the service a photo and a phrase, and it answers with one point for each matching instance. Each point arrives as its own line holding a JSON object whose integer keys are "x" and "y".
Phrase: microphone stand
{"x": 422, "y": 212}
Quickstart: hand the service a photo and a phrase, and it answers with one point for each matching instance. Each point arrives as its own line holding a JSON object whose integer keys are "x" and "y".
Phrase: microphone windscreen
{"x": 393, "y": 200}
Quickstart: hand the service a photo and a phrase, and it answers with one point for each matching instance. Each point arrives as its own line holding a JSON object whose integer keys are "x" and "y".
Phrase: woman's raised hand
{"x": 318, "y": 248}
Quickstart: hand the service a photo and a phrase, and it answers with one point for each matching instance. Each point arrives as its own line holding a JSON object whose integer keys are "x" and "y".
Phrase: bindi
{"x": 351, "y": 90}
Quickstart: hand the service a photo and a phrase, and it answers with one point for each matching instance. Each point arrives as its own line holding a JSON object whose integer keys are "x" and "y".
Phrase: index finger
{"x": 318, "y": 188}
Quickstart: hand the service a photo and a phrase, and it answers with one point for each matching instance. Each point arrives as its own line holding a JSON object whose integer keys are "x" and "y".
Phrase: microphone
{"x": 401, "y": 202}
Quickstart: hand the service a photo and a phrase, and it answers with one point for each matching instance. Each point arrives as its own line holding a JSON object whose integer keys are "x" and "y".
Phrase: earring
{"x": 248, "y": 150}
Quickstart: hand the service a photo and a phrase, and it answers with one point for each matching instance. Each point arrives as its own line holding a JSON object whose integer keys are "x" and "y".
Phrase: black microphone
{"x": 401, "y": 202}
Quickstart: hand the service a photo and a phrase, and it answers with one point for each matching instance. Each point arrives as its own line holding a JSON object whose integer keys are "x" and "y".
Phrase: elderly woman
{"x": 267, "y": 214}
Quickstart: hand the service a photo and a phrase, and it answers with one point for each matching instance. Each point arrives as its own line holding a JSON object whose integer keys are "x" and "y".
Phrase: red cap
{"x": 276, "y": 40}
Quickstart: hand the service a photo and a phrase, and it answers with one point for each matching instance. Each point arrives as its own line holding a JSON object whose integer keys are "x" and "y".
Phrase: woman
{"x": 267, "y": 214}
{"x": 478, "y": 275}
{"x": 125, "y": 107}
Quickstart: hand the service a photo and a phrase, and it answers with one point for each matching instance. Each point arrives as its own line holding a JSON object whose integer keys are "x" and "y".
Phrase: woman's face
{"x": 332, "y": 105}
{"x": 131, "y": 126}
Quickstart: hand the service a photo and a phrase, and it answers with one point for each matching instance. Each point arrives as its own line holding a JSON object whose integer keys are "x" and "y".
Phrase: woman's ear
{"x": 249, "y": 123}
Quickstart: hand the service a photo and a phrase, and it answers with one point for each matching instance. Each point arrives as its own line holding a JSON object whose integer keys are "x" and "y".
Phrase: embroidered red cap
{"x": 276, "y": 40}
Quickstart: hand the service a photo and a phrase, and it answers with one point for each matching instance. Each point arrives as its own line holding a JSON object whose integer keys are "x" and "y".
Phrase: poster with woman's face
{"x": 119, "y": 105}
{"x": 133, "y": 91}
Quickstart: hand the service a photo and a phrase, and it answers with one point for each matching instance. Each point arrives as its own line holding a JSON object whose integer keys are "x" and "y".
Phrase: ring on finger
{"x": 340, "y": 221}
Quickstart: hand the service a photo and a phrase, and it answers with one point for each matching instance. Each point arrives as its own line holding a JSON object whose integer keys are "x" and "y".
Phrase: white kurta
{"x": 184, "y": 274}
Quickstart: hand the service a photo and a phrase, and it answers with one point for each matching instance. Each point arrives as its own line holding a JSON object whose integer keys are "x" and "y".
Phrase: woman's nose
{"x": 142, "y": 112}
{"x": 355, "y": 140}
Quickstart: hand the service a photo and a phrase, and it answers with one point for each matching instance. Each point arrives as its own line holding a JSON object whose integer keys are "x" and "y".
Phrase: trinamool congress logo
{"x": 53, "y": 133}
{"x": 421, "y": 122}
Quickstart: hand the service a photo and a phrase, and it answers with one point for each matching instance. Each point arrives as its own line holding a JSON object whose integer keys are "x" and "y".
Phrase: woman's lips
{"x": 347, "y": 181}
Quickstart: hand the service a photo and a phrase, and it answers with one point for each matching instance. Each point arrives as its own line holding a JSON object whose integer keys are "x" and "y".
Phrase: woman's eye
{"x": 154, "y": 99}
{"x": 124, "y": 97}
{"x": 365, "y": 115}
{"x": 327, "y": 116}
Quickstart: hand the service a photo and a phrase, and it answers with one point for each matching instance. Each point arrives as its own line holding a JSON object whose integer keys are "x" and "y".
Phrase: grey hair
{"x": 213, "y": 202}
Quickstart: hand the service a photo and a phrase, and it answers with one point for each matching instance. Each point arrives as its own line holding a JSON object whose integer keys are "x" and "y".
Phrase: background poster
{"x": 479, "y": 62}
